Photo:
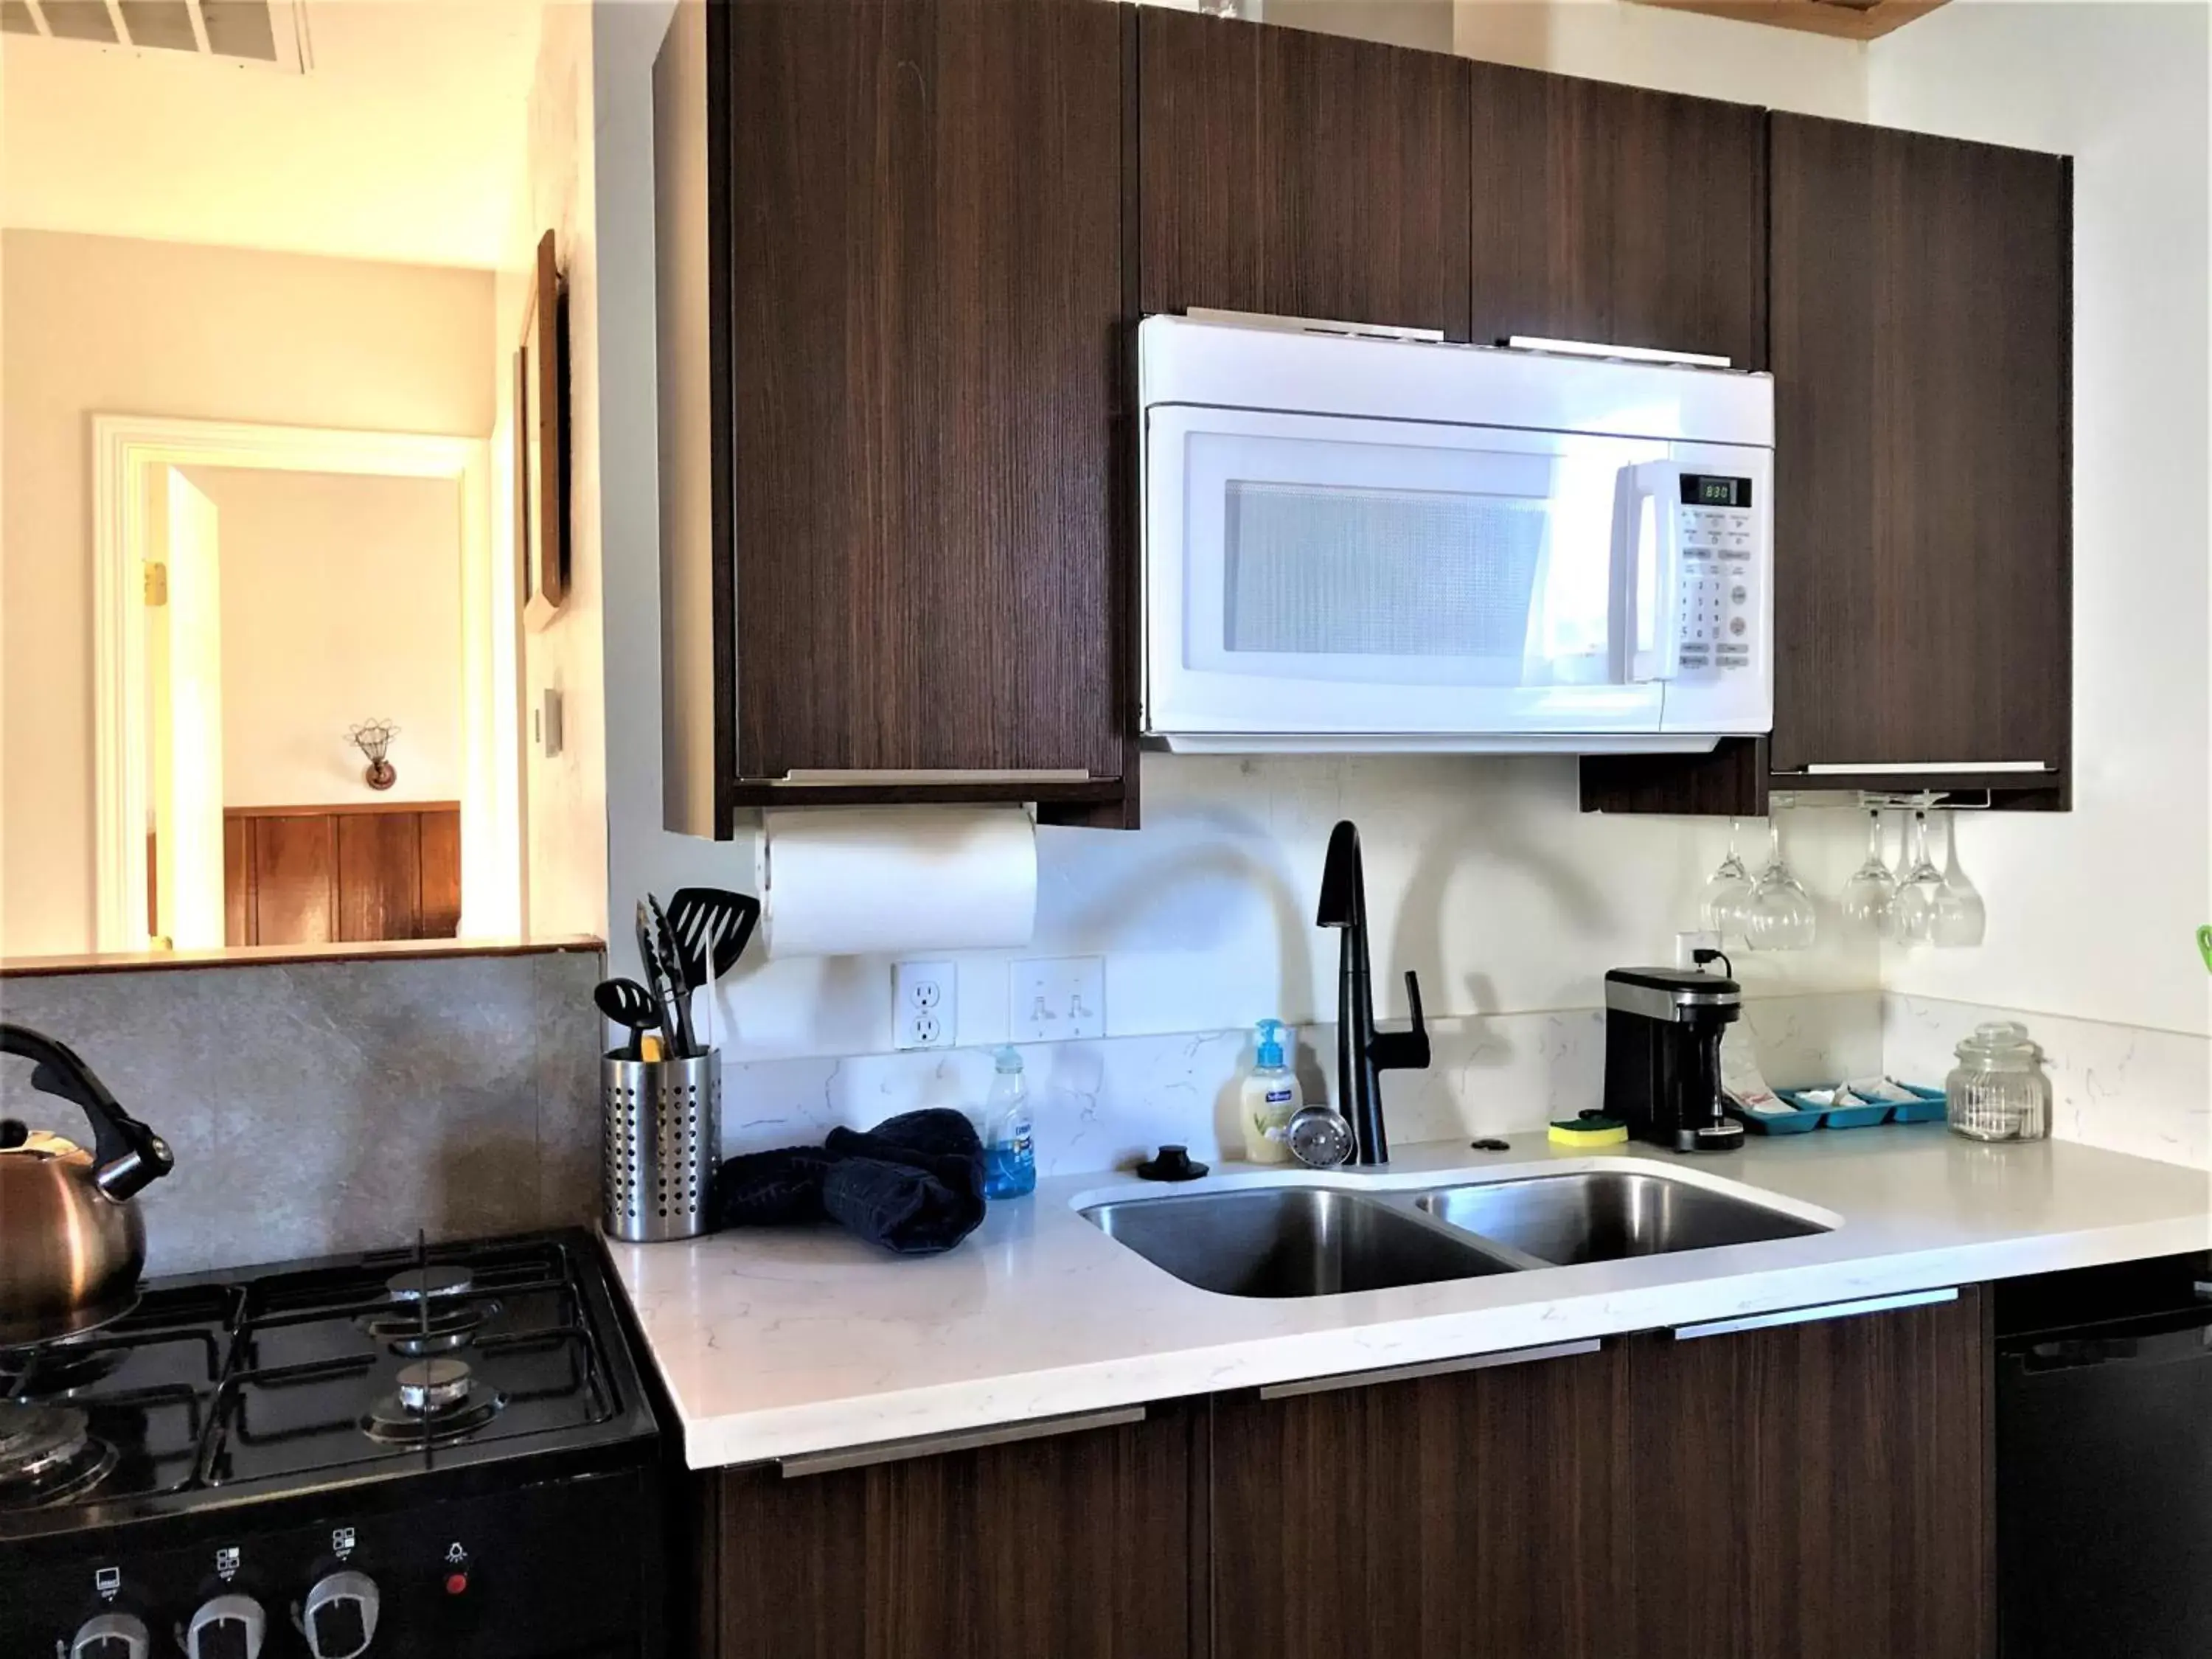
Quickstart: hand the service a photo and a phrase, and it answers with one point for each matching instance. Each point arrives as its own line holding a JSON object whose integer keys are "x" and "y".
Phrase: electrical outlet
{"x": 924, "y": 1004}
{"x": 1685, "y": 944}
{"x": 1056, "y": 999}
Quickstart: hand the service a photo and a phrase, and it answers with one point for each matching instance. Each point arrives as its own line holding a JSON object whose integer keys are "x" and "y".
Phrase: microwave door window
{"x": 1390, "y": 579}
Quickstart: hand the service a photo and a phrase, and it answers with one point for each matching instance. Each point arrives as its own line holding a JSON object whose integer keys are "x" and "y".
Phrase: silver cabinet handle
{"x": 954, "y": 1440}
{"x": 1478, "y": 1362}
{"x": 1810, "y": 1316}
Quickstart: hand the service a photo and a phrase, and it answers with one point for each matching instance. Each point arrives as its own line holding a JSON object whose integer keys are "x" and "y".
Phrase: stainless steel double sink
{"x": 1309, "y": 1240}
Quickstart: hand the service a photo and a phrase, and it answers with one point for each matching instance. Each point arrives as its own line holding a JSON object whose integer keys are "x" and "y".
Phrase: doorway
{"x": 300, "y": 648}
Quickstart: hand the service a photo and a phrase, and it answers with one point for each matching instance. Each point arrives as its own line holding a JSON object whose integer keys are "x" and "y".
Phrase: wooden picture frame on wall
{"x": 541, "y": 443}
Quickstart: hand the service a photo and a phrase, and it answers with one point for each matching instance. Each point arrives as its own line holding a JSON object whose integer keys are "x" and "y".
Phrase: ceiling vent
{"x": 273, "y": 33}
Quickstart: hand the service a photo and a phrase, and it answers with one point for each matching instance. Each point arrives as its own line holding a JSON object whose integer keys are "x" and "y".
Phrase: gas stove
{"x": 425, "y": 1452}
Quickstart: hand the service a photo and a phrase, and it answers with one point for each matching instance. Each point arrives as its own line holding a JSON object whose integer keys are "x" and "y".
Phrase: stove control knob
{"x": 228, "y": 1627}
{"x": 339, "y": 1615}
{"x": 111, "y": 1636}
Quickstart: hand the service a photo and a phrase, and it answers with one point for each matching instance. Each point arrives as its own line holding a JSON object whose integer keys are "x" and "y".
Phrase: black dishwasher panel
{"x": 2104, "y": 1462}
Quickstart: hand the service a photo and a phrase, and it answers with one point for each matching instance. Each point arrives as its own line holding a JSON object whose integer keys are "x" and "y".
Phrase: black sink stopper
{"x": 1170, "y": 1163}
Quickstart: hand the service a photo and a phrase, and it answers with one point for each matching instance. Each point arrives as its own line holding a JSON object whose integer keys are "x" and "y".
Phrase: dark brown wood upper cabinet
{"x": 911, "y": 282}
{"x": 1922, "y": 347}
{"x": 1300, "y": 174}
{"x": 1616, "y": 214}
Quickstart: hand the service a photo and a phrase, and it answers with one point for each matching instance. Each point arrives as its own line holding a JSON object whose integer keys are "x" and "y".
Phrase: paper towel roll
{"x": 878, "y": 881}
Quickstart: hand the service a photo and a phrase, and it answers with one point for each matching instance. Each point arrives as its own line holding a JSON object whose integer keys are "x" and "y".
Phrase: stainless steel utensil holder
{"x": 660, "y": 1138}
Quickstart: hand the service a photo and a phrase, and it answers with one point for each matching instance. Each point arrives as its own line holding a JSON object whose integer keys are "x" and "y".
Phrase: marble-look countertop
{"x": 781, "y": 1342}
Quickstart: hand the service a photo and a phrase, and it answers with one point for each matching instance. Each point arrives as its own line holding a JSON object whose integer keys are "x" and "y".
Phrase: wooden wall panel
{"x": 379, "y": 875}
{"x": 439, "y": 912}
{"x": 295, "y": 880}
{"x": 318, "y": 875}
{"x": 238, "y": 917}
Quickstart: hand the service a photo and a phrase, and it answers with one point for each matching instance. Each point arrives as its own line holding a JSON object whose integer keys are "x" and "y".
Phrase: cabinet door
{"x": 1818, "y": 1490}
{"x": 1476, "y": 1513}
{"x": 1922, "y": 306}
{"x": 925, "y": 223}
{"x": 1609, "y": 213}
{"x": 1076, "y": 1546}
{"x": 1300, "y": 174}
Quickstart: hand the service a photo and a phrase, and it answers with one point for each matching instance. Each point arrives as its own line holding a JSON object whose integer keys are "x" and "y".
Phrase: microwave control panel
{"x": 1720, "y": 574}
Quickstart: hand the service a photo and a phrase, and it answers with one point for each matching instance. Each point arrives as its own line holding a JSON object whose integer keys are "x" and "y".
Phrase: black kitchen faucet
{"x": 1363, "y": 1054}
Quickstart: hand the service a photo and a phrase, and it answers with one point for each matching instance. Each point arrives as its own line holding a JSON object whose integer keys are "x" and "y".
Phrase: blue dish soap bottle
{"x": 1009, "y": 1135}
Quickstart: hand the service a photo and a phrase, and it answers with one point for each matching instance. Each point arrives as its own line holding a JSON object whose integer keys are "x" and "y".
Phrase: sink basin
{"x": 1291, "y": 1241}
{"x": 1604, "y": 1215}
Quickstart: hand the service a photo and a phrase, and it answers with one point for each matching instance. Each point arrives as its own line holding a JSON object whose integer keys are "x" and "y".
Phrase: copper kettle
{"x": 72, "y": 1244}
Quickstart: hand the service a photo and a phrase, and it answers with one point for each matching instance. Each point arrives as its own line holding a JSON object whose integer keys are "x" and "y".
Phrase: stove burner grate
{"x": 436, "y": 1326}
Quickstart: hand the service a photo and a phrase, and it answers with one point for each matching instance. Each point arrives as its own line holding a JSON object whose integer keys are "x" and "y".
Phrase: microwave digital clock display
{"x": 1706, "y": 489}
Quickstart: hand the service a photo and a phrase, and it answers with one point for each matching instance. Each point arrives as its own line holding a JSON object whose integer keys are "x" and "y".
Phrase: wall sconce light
{"x": 373, "y": 738}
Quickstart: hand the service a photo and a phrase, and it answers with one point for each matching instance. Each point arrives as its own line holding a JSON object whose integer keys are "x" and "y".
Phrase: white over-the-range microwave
{"x": 1354, "y": 542}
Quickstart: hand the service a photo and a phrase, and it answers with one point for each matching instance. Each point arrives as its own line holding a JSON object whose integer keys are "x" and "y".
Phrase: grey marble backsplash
{"x": 325, "y": 1106}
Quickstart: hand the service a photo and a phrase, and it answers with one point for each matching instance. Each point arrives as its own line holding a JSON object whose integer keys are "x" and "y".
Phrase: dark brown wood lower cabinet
{"x": 1479, "y": 1512}
{"x": 1815, "y": 1491}
{"x": 1075, "y": 1547}
{"x": 1818, "y": 1491}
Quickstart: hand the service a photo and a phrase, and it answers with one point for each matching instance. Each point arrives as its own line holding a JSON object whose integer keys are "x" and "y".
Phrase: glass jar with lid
{"x": 1999, "y": 1090}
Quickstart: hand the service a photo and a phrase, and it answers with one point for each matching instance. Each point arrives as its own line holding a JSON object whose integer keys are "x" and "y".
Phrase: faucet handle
{"x": 1407, "y": 1050}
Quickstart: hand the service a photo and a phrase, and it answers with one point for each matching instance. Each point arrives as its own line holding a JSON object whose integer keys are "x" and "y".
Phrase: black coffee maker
{"x": 1662, "y": 1057}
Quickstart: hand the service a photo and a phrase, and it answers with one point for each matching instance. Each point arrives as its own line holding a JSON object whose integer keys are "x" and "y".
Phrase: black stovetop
{"x": 222, "y": 1388}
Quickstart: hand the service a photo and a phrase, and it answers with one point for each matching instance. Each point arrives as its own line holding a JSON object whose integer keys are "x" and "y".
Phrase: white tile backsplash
{"x": 2127, "y": 1088}
{"x": 1102, "y": 1104}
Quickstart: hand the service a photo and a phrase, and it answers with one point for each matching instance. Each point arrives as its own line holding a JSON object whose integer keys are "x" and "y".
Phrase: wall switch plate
{"x": 924, "y": 1004}
{"x": 1686, "y": 943}
{"x": 1056, "y": 999}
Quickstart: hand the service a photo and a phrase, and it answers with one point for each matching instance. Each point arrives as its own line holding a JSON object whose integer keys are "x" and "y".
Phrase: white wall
{"x": 565, "y": 796}
{"x": 341, "y": 603}
{"x": 98, "y": 324}
{"x": 2092, "y": 914}
{"x": 1669, "y": 51}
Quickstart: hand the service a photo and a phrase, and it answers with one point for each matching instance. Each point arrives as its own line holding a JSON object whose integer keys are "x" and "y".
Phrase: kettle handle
{"x": 126, "y": 1154}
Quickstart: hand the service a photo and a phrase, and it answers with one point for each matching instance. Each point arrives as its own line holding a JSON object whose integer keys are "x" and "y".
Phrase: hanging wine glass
{"x": 1728, "y": 893}
{"x": 1869, "y": 897}
{"x": 1916, "y": 890}
{"x": 1961, "y": 919}
{"x": 1782, "y": 917}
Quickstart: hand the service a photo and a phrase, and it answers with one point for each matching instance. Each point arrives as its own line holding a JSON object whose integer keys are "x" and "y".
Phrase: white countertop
{"x": 774, "y": 1342}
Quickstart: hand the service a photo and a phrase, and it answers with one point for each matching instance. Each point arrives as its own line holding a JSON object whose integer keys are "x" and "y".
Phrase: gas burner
{"x": 430, "y": 1284}
{"x": 428, "y": 1327}
{"x": 47, "y": 1454}
{"x": 436, "y": 1400}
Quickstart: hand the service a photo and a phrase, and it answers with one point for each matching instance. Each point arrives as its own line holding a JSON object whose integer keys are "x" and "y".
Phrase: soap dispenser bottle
{"x": 1271, "y": 1096}
{"x": 1009, "y": 1134}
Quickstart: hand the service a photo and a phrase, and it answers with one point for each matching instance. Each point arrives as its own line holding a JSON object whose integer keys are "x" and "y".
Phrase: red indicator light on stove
{"x": 456, "y": 1583}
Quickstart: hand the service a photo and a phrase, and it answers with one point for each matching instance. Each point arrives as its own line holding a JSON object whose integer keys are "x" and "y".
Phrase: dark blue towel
{"x": 913, "y": 1184}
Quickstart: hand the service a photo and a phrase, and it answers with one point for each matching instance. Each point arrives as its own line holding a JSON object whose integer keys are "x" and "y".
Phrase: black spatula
{"x": 711, "y": 926}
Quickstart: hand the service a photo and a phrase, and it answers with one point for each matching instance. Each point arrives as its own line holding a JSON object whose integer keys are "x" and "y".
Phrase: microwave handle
{"x": 1659, "y": 483}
